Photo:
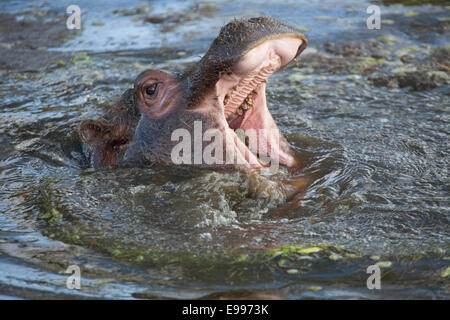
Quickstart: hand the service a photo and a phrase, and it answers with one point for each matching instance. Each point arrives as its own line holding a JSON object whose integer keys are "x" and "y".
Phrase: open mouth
{"x": 244, "y": 96}
{"x": 241, "y": 94}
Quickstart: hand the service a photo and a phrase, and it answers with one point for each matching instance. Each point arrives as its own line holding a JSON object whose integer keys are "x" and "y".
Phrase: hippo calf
{"x": 223, "y": 93}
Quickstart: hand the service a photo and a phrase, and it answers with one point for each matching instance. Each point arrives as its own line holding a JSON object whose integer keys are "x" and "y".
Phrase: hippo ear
{"x": 95, "y": 132}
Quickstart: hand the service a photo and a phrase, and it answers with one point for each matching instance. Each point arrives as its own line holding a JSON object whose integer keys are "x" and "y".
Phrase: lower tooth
{"x": 239, "y": 111}
{"x": 240, "y": 134}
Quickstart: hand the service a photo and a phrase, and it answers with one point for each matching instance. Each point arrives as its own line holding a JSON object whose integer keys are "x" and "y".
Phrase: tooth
{"x": 239, "y": 111}
{"x": 226, "y": 99}
{"x": 240, "y": 134}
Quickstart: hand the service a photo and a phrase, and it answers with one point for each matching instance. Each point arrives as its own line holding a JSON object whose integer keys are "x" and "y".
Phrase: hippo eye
{"x": 151, "y": 89}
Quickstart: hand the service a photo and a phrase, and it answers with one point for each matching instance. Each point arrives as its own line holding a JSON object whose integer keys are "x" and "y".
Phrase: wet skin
{"x": 224, "y": 91}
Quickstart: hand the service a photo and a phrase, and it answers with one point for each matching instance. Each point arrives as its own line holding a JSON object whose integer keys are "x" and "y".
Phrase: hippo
{"x": 221, "y": 97}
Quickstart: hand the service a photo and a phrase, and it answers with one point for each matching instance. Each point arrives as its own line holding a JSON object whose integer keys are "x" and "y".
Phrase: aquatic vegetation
{"x": 387, "y": 38}
{"x": 295, "y": 249}
{"x": 314, "y": 288}
{"x": 446, "y": 272}
{"x": 81, "y": 59}
{"x": 411, "y": 14}
{"x": 384, "y": 264}
{"x": 406, "y": 50}
{"x": 98, "y": 23}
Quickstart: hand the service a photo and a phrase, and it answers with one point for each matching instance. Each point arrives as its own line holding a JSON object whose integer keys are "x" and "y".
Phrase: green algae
{"x": 406, "y": 50}
{"x": 60, "y": 64}
{"x": 387, "y": 21}
{"x": 314, "y": 288}
{"x": 295, "y": 249}
{"x": 296, "y": 77}
{"x": 81, "y": 59}
{"x": 98, "y": 23}
{"x": 303, "y": 29}
{"x": 387, "y": 38}
{"x": 446, "y": 272}
{"x": 101, "y": 281}
{"x": 384, "y": 264}
{"x": 411, "y": 14}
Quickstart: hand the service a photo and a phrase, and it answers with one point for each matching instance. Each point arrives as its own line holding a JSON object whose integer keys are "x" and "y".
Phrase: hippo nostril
{"x": 94, "y": 127}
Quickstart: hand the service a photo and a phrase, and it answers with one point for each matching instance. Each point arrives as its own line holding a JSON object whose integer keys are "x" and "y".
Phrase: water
{"x": 379, "y": 155}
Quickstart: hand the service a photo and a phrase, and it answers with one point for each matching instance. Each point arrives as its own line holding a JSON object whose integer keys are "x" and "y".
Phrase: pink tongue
{"x": 236, "y": 122}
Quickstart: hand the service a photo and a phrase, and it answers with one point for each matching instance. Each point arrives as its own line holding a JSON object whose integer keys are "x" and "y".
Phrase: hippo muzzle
{"x": 215, "y": 114}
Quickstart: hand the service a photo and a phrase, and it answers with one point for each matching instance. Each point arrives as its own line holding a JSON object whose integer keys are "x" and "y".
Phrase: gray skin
{"x": 138, "y": 131}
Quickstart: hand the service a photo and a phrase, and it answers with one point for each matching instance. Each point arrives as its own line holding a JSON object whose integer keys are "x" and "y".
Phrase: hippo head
{"x": 214, "y": 114}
